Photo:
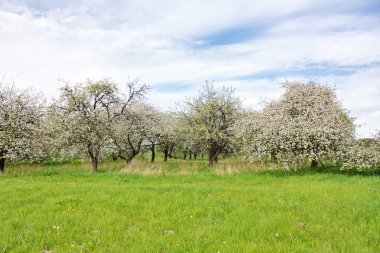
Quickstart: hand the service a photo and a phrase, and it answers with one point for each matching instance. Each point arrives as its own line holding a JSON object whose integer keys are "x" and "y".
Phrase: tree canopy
{"x": 100, "y": 118}
{"x": 21, "y": 114}
{"x": 211, "y": 115}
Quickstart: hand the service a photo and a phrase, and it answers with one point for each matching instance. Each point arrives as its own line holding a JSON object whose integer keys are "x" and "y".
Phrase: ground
{"x": 51, "y": 209}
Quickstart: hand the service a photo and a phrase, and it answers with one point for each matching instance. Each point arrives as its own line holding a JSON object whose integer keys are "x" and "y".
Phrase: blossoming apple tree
{"x": 307, "y": 122}
{"x": 21, "y": 114}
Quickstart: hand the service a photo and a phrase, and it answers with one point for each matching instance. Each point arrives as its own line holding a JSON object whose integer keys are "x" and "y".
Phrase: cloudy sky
{"x": 175, "y": 45}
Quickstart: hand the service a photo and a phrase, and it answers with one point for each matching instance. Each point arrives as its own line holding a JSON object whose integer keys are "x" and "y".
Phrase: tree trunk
{"x": 273, "y": 157}
{"x": 166, "y": 154}
{"x": 212, "y": 157}
{"x": 2, "y": 165}
{"x": 93, "y": 152}
{"x": 212, "y": 161}
{"x": 153, "y": 153}
{"x": 190, "y": 155}
{"x": 314, "y": 163}
{"x": 128, "y": 161}
{"x": 126, "y": 157}
{"x": 170, "y": 152}
{"x": 94, "y": 163}
{"x": 184, "y": 155}
{"x": 195, "y": 156}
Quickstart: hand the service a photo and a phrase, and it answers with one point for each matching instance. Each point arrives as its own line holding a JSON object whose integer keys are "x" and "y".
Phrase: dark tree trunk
{"x": 94, "y": 163}
{"x": 128, "y": 161}
{"x": 184, "y": 155}
{"x": 2, "y": 164}
{"x": 273, "y": 157}
{"x": 202, "y": 155}
{"x": 195, "y": 156}
{"x": 190, "y": 155}
{"x": 211, "y": 161}
{"x": 153, "y": 152}
{"x": 212, "y": 157}
{"x": 128, "y": 157}
{"x": 170, "y": 152}
{"x": 94, "y": 155}
{"x": 314, "y": 163}
{"x": 166, "y": 154}
{"x": 114, "y": 156}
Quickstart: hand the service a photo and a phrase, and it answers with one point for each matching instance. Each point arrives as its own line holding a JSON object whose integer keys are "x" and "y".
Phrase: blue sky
{"x": 252, "y": 45}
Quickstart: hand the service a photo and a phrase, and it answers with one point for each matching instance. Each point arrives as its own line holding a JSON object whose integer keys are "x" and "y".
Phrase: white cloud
{"x": 360, "y": 93}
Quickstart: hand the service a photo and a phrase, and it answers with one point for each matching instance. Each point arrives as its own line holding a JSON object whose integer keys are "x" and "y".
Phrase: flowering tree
{"x": 89, "y": 111}
{"x": 83, "y": 111}
{"x": 151, "y": 124}
{"x": 184, "y": 138}
{"x": 247, "y": 128}
{"x": 169, "y": 133}
{"x": 211, "y": 115}
{"x": 307, "y": 122}
{"x": 363, "y": 155}
{"x": 21, "y": 114}
{"x": 163, "y": 132}
{"x": 59, "y": 141}
{"x": 131, "y": 128}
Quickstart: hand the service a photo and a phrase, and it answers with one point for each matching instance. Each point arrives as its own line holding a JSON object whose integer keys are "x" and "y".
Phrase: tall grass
{"x": 139, "y": 166}
{"x": 185, "y": 206}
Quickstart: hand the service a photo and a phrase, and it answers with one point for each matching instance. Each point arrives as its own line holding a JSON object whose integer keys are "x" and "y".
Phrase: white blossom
{"x": 210, "y": 116}
{"x": 306, "y": 123}
{"x": 21, "y": 131}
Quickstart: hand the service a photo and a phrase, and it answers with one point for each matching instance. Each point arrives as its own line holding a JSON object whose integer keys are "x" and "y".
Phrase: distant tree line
{"x": 100, "y": 119}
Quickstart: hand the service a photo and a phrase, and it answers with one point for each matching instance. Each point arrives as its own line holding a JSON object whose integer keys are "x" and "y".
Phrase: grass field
{"x": 186, "y": 208}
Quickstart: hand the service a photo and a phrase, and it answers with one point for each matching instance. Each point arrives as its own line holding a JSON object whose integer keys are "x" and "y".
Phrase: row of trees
{"x": 98, "y": 119}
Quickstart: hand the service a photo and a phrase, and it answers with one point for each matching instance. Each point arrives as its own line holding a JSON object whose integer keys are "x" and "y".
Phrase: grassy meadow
{"x": 184, "y": 206}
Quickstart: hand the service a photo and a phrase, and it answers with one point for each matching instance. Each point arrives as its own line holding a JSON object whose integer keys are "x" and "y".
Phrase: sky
{"x": 175, "y": 45}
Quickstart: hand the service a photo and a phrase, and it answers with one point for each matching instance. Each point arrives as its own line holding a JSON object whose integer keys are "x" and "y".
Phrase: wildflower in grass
{"x": 169, "y": 232}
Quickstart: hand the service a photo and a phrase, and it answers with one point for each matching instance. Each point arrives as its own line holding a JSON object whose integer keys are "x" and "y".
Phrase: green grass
{"x": 65, "y": 208}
